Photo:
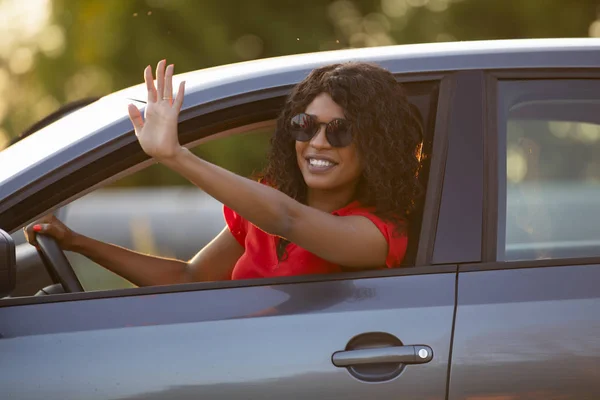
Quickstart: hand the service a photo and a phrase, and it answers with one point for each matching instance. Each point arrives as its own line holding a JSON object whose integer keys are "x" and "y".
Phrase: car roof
{"x": 211, "y": 84}
{"x": 414, "y": 58}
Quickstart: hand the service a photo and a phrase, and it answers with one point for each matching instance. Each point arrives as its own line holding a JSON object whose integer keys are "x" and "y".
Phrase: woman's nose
{"x": 319, "y": 141}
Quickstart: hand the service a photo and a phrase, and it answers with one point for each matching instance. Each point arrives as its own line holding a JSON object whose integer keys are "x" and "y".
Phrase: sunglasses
{"x": 303, "y": 127}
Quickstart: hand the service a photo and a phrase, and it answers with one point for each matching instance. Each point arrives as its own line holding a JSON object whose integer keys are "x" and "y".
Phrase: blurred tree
{"x": 62, "y": 50}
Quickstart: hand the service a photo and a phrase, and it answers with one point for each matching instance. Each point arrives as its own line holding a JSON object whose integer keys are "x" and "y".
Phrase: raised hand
{"x": 157, "y": 131}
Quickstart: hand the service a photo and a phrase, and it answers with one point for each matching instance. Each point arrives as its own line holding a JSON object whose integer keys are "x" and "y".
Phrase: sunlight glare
{"x": 394, "y": 8}
{"x": 516, "y": 165}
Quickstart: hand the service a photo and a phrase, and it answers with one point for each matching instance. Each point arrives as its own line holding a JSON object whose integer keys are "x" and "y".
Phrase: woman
{"x": 340, "y": 181}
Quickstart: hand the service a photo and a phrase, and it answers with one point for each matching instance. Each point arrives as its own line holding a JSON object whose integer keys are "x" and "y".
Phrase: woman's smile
{"x": 318, "y": 164}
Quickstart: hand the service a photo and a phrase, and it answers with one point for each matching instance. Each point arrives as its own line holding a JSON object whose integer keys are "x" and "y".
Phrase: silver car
{"x": 499, "y": 289}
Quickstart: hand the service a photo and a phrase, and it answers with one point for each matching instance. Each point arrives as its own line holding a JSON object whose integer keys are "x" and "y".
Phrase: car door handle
{"x": 418, "y": 354}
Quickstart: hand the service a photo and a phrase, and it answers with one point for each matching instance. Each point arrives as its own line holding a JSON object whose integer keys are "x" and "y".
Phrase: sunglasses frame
{"x": 335, "y": 139}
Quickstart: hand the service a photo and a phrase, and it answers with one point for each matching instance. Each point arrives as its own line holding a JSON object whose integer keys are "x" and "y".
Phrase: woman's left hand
{"x": 157, "y": 131}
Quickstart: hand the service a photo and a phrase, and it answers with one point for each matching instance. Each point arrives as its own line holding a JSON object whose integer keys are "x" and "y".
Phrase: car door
{"x": 528, "y": 319}
{"x": 377, "y": 334}
{"x": 263, "y": 341}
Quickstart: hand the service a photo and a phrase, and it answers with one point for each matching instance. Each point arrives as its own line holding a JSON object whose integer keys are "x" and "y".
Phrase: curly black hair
{"x": 386, "y": 129}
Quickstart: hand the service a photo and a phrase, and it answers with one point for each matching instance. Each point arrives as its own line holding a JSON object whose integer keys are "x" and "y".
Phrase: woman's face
{"x": 323, "y": 166}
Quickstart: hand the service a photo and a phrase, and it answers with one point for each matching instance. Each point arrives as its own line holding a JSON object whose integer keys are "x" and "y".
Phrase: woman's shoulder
{"x": 393, "y": 228}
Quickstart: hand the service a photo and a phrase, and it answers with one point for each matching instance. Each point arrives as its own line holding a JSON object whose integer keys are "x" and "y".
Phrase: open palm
{"x": 157, "y": 131}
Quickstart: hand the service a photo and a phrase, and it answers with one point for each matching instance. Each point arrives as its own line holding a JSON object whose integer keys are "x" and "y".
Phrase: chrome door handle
{"x": 417, "y": 354}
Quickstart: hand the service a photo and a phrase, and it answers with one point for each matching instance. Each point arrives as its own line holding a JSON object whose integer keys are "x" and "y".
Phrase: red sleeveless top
{"x": 260, "y": 256}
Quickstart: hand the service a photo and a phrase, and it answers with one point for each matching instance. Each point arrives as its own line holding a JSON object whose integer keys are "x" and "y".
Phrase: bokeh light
{"x": 595, "y": 29}
{"x": 438, "y": 5}
{"x": 516, "y": 164}
{"x": 248, "y": 47}
{"x": 394, "y": 8}
{"x": 588, "y": 133}
{"x": 87, "y": 82}
{"x": 52, "y": 40}
{"x": 21, "y": 61}
{"x": 560, "y": 129}
{"x": 4, "y": 138}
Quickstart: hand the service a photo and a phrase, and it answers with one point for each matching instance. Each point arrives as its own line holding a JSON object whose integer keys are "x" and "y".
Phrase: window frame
{"x": 491, "y": 166}
{"x": 69, "y": 187}
{"x": 460, "y": 215}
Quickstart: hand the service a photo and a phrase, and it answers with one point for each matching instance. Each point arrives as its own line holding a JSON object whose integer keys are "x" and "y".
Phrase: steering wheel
{"x": 57, "y": 264}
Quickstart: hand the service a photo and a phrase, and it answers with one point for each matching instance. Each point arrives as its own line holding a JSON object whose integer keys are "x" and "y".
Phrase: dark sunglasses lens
{"x": 339, "y": 133}
{"x": 302, "y": 127}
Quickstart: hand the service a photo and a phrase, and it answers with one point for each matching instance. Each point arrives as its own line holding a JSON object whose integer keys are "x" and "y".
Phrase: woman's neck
{"x": 329, "y": 200}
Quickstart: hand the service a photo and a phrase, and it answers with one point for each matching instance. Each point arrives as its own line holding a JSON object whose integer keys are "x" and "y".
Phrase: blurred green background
{"x": 56, "y": 51}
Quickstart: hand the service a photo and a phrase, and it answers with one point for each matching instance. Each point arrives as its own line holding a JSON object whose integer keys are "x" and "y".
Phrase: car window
{"x": 156, "y": 211}
{"x": 549, "y": 173}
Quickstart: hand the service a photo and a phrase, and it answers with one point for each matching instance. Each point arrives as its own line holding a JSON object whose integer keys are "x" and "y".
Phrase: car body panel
{"x": 252, "y": 342}
{"x": 531, "y": 333}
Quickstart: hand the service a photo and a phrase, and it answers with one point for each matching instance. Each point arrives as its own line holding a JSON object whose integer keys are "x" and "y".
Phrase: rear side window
{"x": 549, "y": 172}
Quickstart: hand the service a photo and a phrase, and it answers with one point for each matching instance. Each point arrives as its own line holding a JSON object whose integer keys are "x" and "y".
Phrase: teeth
{"x": 320, "y": 163}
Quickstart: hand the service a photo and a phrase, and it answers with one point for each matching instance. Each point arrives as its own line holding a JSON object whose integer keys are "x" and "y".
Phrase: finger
{"x": 169, "y": 83}
{"x": 136, "y": 118}
{"x": 30, "y": 236}
{"x": 44, "y": 229}
{"x": 149, "y": 79}
{"x": 34, "y": 228}
{"x": 179, "y": 99}
{"x": 29, "y": 229}
{"x": 160, "y": 78}
{"x": 28, "y": 232}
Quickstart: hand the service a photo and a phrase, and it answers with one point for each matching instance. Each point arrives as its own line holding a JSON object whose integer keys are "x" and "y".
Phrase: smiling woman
{"x": 341, "y": 179}
{"x": 331, "y": 161}
{"x": 367, "y": 153}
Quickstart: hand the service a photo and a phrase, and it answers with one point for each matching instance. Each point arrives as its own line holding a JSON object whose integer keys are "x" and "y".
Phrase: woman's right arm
{"x": 214, "y": 262}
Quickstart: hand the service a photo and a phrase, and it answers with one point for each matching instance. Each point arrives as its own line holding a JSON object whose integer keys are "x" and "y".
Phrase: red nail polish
{"x": 37, "y": 228}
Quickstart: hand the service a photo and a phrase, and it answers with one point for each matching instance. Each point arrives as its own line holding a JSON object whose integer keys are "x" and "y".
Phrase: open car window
{"x": 156, "y": 211}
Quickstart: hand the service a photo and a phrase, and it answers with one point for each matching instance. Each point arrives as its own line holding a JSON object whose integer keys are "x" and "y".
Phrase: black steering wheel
{"x": 57, "y": 264}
